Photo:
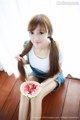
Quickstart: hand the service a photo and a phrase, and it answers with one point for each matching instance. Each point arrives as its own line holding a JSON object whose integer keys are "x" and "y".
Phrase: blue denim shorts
{"x": 42, "y": 76}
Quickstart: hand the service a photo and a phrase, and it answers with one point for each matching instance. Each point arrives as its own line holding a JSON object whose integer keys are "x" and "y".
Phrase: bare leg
{"x": 33, "y": 78}
{"x": 23, "y": 108}
{"x": 36, "y": 108}
{"x": 37, "y": 101}
{"x": 48, "y": 88}
{"x": 24, "y": 103}
{"x": 33, "y": 102}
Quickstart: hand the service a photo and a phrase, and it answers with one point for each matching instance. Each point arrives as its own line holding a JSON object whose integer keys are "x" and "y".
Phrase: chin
{"x": 37, "y": 44}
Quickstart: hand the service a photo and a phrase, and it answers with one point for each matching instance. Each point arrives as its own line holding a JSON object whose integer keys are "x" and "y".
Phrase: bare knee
{"x": 32, "y": 78}
{"x": 23, "y": 98}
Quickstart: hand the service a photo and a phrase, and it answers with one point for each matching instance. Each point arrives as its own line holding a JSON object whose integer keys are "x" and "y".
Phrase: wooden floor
{"x": 62, "y": 104}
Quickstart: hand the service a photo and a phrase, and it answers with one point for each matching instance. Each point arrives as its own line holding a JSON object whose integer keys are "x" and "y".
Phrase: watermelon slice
{"x": 30, "y": 88}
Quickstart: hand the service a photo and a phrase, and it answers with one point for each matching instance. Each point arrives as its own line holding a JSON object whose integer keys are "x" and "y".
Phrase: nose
{"x": 36, "y": 38}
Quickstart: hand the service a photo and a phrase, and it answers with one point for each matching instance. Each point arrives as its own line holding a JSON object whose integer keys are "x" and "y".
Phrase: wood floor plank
{"x": 3, "y": 77}
{"x": 15, "y": 115}
{"x": 71, "y": 106}
{"x": 62, "y": 104}
{"x": 53, "y": 103}
{"x": 1, "y": 72}
{"x": 11, "y": 103}
{"x": 5, "y": 89}
{"x": 79, "y": 111}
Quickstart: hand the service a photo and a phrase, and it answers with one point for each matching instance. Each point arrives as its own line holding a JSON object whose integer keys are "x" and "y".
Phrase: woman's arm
{"x": 49, "y": 80}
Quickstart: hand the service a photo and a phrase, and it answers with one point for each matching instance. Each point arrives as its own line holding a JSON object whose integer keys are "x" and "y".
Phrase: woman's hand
{"x": 18, "y": 57}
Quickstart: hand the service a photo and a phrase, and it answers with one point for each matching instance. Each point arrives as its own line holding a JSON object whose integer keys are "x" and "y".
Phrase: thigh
{"x": 33, "y": 78}
{"x": 48, "y": 88}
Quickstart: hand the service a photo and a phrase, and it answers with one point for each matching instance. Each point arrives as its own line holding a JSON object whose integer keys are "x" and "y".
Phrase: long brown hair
{"x": 45, "y": 25}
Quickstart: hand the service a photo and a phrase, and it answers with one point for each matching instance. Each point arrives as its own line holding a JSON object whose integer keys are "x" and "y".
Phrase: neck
{"x": 44, "y": 46}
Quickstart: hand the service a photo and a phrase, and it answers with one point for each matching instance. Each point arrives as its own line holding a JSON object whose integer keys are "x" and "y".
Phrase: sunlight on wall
{"x": 65, "y": 17}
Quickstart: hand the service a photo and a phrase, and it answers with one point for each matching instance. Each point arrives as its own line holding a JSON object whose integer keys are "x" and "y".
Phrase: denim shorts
{"x": 42, "y": 76}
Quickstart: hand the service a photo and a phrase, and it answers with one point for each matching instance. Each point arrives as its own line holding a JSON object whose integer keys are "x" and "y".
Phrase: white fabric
{"x": 36, "y": 62}
{"x": 41, "y": 64}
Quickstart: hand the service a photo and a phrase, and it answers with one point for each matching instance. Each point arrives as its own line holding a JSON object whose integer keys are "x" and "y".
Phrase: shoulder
{"x": 25, "y": 42}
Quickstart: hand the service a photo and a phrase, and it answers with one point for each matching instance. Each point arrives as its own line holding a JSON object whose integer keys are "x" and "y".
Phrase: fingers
{"x": 18, "y": 57}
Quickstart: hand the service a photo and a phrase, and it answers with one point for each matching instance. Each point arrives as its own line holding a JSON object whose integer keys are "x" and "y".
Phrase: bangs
{"x": 37, "y": 22}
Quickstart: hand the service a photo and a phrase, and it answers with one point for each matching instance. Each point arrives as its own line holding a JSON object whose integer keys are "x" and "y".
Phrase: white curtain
{"x": 65, "y": 18}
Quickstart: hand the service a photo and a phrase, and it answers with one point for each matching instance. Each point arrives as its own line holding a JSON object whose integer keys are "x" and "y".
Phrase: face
{"x": 38, "y": 37}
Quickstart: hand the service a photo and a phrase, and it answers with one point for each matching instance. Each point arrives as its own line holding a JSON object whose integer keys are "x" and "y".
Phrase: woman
{"x": 44, "y": 57}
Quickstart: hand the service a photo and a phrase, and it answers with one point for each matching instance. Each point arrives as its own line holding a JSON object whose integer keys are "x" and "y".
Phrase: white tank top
{"x": 38, "y": 63}
{"x": 42, "y": 64}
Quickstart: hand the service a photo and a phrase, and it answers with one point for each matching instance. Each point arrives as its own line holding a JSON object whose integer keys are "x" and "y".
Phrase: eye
{"x": 41, "y": 33}
{"x": 31, "y": 32}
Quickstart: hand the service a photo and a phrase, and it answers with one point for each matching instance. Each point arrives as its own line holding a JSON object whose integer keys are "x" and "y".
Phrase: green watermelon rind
{"x": 28, "y": 95}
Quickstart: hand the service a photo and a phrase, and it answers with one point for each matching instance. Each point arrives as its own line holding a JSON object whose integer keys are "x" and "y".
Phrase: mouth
{"x": 37, "y": 42}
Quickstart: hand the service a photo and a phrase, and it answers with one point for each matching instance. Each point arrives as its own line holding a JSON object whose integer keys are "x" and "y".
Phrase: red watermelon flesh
{"x": 31, "y": 87}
